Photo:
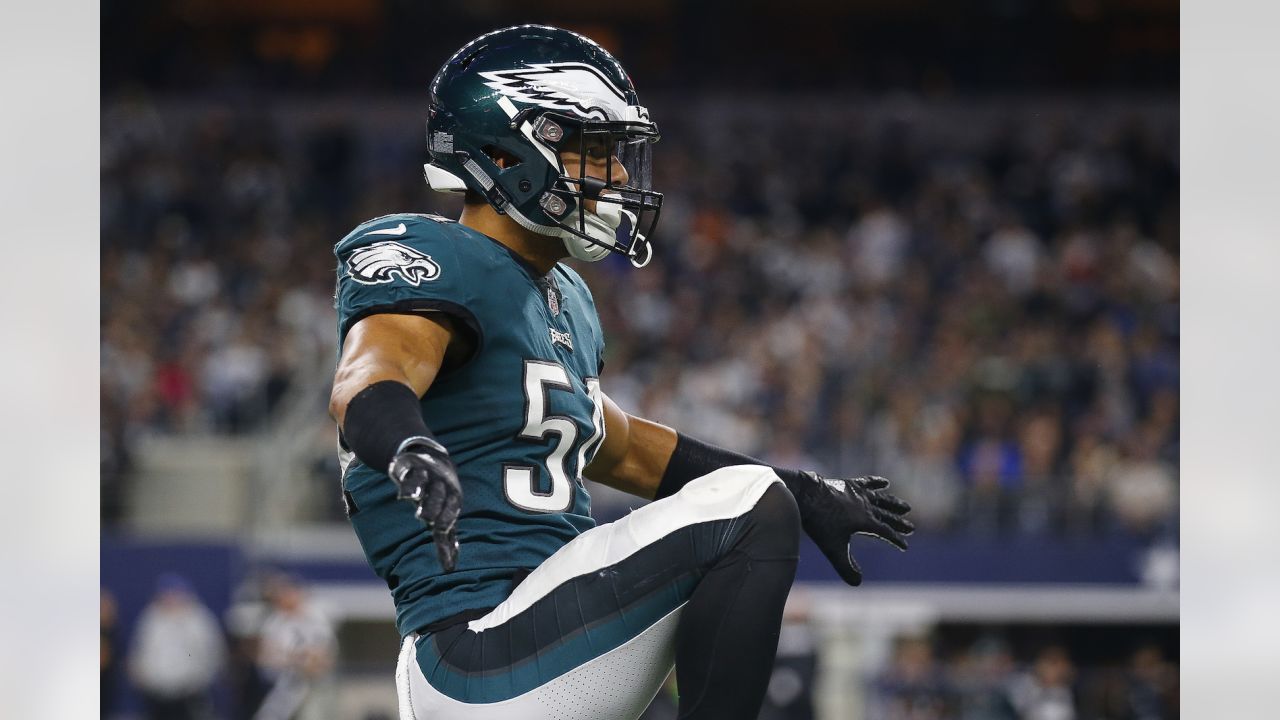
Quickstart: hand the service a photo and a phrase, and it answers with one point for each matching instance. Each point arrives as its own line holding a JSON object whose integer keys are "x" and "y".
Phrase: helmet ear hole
{"x": 500, "y": 157}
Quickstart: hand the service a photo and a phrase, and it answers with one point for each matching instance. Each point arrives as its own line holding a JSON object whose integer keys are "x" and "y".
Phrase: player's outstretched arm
{"x": 654, "y": 461}
{"x": 388, "y": 362}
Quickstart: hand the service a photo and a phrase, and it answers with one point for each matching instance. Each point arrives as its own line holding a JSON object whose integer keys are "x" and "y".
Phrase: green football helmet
{"x": 526, "y": 94}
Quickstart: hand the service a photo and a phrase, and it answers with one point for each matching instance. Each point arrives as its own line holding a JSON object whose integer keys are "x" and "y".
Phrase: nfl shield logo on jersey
{"x": 553, "y": 301}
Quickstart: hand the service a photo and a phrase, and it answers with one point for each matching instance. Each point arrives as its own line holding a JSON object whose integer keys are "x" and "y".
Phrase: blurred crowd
{"x": 984, "y": 682}
{"x": 273, "y": 656}
{"x": 276, "y": 653}
{"x": 983, "y": 678}
{"x": 977, "y": 301}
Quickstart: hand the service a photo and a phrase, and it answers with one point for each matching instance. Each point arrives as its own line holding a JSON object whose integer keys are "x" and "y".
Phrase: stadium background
{"x": 934, "y": 242}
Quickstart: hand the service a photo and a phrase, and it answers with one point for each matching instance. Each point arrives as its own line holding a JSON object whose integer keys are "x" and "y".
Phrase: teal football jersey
{"x": 520, "y": 417}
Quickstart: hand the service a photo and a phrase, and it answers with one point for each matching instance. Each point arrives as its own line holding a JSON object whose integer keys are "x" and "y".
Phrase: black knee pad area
{"x": 774, "y": 524}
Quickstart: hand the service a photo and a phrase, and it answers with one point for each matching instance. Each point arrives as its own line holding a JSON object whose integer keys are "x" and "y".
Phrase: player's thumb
{"x": 842, "y": 560}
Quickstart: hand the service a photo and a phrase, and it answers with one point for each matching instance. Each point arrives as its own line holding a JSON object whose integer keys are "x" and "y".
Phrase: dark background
{"x": 933, "y": 47}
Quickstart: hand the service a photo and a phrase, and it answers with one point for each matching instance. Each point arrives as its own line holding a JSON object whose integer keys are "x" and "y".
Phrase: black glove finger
{"x": 449, "y": 510}
{"x": 873, "y": 482}
{"x": 411, "y": 478}
{"x": 851, "y": 572}
{"x": 430, "y": 507}
{"x": 446, "y": 548}
{"x": 897, "y": 522}
{"x": 892, "y": 503}
{"x": 837, "y": 553}
{"x": 887, "y": 534}
{"x": 408, "y": 483}
{"x": 405, "y": 492}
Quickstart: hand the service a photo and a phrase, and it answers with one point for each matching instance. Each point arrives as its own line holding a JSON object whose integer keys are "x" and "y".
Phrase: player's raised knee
{"x": 753, "y": 489}
{"x": 776, "y": 513}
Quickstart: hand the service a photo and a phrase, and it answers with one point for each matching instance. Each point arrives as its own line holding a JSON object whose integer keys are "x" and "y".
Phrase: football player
{"x": 469, "y": 400}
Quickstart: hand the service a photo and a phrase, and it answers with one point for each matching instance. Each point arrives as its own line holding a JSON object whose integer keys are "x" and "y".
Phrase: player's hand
{"x": 425, "y": 476}
{"x": 832, "y": 511}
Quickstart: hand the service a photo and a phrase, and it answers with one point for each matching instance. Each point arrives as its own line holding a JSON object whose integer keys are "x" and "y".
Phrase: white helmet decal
{"x": 574, "y": 87}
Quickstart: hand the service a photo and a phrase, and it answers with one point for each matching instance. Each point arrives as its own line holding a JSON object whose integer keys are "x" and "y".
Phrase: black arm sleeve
{"x": 693, "y": 458}
{"x": 379, "y": 419}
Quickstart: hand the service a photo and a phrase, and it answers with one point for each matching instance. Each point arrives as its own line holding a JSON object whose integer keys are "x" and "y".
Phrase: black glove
{"x": 425, "y": 476}
{"x": 833, "y": 510}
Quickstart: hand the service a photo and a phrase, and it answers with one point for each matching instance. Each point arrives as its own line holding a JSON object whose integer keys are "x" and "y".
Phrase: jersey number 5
{"x": 520, "y": 482}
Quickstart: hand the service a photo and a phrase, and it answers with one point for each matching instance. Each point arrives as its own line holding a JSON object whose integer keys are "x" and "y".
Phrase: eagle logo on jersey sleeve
{"x": 381, "y": 262}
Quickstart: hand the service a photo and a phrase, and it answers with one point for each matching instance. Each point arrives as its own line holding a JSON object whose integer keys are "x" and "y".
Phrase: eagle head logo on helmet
{"x": 573, "y": 87}
{"x": 381, "y": 262}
